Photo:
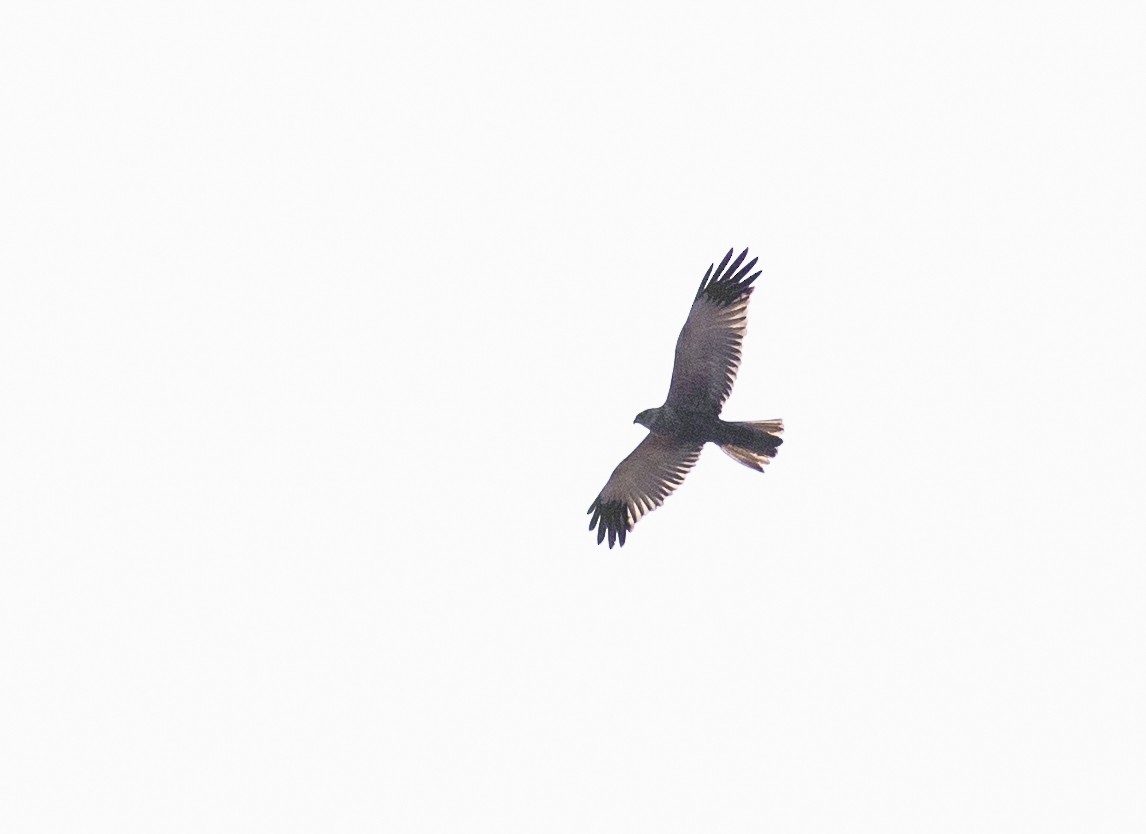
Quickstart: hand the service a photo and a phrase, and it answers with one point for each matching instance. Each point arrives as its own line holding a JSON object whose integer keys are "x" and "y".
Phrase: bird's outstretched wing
{"x": 708, "y": 348}
{"x": 641, "y": 483}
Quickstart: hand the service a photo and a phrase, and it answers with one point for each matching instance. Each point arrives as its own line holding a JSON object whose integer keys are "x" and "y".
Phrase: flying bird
{"x": 707, "y": 357}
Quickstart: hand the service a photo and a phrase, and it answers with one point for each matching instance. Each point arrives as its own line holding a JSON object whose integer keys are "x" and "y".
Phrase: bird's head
{"x": 647, "y": 417}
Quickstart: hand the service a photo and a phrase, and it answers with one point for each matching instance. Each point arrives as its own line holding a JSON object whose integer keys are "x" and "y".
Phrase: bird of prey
{"x": 707, "y": 357}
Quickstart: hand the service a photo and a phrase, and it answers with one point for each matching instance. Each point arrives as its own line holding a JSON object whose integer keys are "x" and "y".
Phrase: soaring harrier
{"x": 707, "y": 356}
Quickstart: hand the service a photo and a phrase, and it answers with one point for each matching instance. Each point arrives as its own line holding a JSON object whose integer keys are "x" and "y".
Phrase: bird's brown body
{"x": 701, "y": 427}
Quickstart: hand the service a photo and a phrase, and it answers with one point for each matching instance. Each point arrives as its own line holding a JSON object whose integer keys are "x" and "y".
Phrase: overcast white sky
{"x": 323, "y": 323}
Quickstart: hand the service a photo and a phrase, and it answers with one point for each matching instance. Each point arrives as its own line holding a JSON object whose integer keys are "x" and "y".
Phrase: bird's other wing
{"x": 641, "y": 483}
{"x": 708, "y": 348}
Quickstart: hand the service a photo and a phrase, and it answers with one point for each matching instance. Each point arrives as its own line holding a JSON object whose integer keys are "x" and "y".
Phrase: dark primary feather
{"x": 728, "y": 286}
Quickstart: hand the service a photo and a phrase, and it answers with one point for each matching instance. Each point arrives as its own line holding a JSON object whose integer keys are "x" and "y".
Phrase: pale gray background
{"x": 323, "y": 323}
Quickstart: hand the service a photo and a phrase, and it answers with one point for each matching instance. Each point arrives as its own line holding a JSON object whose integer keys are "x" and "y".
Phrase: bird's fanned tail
{"x": 753, "y": 444}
